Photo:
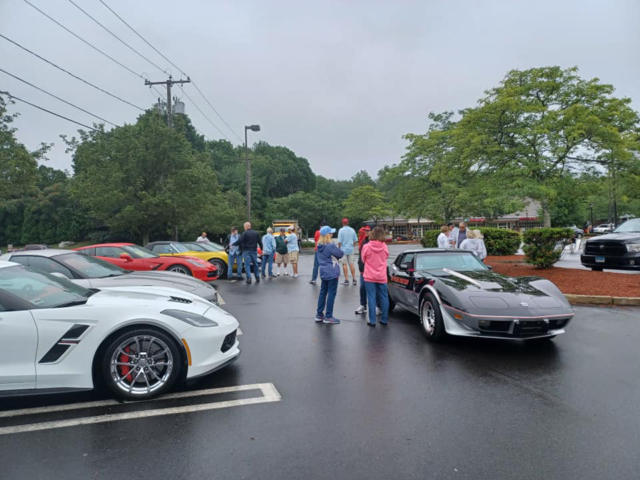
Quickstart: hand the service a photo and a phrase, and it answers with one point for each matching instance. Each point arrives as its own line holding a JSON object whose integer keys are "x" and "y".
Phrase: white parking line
{"x": 268, "y": 390}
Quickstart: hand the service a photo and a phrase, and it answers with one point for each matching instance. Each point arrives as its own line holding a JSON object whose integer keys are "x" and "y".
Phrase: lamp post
{"x": 253, "y": 128}
{"x": 591, "y": 208}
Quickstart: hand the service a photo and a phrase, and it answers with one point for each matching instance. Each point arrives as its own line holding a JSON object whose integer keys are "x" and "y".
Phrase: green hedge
{"x": 543, "y": 246}
{"x": 497, "y": 240}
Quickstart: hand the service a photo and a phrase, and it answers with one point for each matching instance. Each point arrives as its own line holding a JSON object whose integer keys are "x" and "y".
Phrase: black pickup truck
{"x": 618, "y": 250}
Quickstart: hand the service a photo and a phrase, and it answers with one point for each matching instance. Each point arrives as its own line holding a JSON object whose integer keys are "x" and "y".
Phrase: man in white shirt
{"x": 202, "y": 238}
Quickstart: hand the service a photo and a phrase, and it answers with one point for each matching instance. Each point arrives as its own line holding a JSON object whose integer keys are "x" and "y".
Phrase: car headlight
{"x": 197, "y": 263}
{"x": 633, "y": 247}
{"x": 190, "y": 318}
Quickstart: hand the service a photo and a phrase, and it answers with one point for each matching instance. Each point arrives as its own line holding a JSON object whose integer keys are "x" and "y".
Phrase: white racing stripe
{"x": 268, "y": 390}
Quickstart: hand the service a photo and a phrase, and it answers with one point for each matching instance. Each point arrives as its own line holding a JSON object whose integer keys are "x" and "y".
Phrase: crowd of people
{"x": 284, "y": 249}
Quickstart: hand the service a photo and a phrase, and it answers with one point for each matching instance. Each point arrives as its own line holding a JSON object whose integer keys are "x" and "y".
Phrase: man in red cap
{"x": 362, "y": 234}
{"x": 347, "y": 240}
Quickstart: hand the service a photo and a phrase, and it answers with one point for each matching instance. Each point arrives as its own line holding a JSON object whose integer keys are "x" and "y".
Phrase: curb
{"x": 602, "y": 300}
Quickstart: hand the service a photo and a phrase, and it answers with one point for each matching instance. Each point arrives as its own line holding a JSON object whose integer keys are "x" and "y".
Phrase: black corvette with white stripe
{"x": 454, "y": 293}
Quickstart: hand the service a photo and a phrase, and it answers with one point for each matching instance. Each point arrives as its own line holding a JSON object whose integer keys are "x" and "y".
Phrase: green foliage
{"x": 500, "y": 241}
{"x": 365, "y": 203}
{"x": 430, "y": 239}
{"x": 308, "y": 208}
{"x": 307, "y": 244}
{"x": 543, "y": 246}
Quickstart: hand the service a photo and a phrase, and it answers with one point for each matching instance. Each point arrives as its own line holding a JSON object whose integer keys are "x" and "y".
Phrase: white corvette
{"x": 136, "y": 341}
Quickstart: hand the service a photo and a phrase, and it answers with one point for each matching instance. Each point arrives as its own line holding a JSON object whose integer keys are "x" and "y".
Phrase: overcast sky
{"x": 338, "y": 82}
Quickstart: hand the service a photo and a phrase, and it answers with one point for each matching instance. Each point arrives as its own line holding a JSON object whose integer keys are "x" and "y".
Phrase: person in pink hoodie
{"x": 375, "y": 254}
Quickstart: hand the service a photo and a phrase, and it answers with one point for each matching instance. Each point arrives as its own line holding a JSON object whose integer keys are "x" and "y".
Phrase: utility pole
{"x": 169, "y": 83}
{"x": 253, "y": 128}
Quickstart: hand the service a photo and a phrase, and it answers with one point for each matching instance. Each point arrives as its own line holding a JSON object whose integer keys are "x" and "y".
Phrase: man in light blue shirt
{"x": 235, "y": 255}
{"x": 293, "y": 249}
{"x": 268, "y": 251}
{"x": 347, "y": 239}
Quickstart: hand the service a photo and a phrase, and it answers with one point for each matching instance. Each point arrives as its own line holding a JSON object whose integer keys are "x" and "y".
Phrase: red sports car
{"x": 134, "y": 257}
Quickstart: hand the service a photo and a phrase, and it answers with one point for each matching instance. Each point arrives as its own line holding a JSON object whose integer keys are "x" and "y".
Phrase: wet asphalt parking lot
{"x": 314, "y": 401}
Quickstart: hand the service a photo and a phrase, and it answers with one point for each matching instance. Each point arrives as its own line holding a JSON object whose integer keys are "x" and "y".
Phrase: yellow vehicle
{"x": 208, "y": 251}
{"x": 278, "y": 224}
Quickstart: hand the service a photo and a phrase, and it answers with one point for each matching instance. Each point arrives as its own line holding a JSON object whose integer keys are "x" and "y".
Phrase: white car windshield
{"x": 41, "y": 290}
{"x": 630, "y": 226}
{"x": 90, "y": 267}
{"x": 463, "y": 262}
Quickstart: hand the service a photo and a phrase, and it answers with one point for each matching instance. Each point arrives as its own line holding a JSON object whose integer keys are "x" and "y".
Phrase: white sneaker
{"x": 378, "y": 311}
{"x": 361, "y": 309}
{"x": 277, "y": 273}
{"x": 295, "y": 275}
{"x": 286, "y": 274}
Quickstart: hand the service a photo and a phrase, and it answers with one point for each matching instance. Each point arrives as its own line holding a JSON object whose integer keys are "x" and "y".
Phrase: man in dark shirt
{"x": 249, "y": 241}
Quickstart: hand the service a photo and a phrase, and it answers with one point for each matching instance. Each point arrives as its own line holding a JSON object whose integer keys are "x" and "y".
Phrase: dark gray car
{"x": 454, "y": 293}
{"x": 92, "y": 272}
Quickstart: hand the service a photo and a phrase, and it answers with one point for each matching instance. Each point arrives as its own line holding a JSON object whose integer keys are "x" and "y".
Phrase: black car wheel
{"x": 221, "y": 266}
{"x": 431, "y": 319}
{"x": 140, "y": 364}
{"x": 392, "y": 304}
{"x": 180, "y": 269}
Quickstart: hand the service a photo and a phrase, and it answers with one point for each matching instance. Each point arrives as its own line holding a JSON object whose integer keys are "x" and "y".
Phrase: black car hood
{"x": 621, "y": 237}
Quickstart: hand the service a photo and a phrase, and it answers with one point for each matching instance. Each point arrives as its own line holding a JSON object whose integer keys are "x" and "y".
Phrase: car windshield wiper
{"x": 73, "y": 303}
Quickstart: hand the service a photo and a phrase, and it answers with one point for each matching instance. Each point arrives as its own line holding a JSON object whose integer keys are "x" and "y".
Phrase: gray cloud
{"x": 338, "y": 82}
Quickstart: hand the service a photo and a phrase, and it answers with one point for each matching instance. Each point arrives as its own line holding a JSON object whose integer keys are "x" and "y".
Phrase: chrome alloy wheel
{"x": 428, "y": 317}
{"x": 141, "y": 365}
{"x": 180, "y": 269}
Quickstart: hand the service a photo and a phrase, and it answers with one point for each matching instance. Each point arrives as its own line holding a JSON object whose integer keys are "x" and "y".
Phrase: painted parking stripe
{"x": 268, "y": 390}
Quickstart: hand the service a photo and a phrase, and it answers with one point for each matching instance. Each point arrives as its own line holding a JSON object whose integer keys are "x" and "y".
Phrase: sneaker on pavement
{"x": 319, "y": 318}
{"x": 277, "y": 274}
{"x": 378, "y": 312}
{"x": 361, "y": 309}
{"x": 355, "y": 282}
{"x": 286, "y": 274}
{"x": 295, "y": 275}
{"x": 346, "y": 282}
{"x": 331, "y": 320}
{"x": 312, "y": 282}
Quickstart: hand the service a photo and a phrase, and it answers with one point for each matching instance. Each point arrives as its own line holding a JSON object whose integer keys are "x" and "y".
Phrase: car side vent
{"x": 179, "y": 300}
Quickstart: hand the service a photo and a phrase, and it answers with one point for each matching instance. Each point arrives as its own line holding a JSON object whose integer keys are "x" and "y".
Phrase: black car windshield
{"x": 462, "y": 261}
{"x": 630, "y": 226}
{"x": 138, "y": 252}
{"x": 90, "y": 267}
{"x": 41, "y": 290}
{"x": 204, "y": 246}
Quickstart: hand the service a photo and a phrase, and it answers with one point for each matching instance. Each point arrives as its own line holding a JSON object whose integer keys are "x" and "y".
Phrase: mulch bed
{"x": 576, "y": 282}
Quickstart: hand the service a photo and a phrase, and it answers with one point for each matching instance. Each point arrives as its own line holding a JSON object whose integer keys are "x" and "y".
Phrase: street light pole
{"x": 253, "y": 128}
{"x": 591, "y": 208}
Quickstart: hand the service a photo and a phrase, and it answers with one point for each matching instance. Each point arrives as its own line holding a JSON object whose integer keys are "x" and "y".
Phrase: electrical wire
{"x": 115, "y": 36}
{"x": 48, "y": 111}
{"x": 204, "y": 114}
{"x": 71, "y": 74}
{"x": 178, "y": 68}
{"x": 83, "y": 40}
{"x": 58, "y": 98}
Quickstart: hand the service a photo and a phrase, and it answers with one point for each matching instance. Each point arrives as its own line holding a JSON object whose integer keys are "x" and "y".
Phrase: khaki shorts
{"x": 293, "y": 257}
{"x": 347, "y": 258}
{"x": 282, "y": 258}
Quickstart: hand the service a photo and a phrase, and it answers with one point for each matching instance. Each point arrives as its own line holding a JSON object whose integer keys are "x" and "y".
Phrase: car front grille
{"x": 229, "y": 341}
{"x": 524, "y": 327}
{"x": 614, "y": 249}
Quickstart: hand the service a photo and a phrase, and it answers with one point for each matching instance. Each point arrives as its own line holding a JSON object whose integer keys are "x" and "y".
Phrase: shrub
{"x": 430, "y": 239}
{"x": 307, "y": 244}
{"x": 543, "y": 246}
{"x": 500, "y": 241}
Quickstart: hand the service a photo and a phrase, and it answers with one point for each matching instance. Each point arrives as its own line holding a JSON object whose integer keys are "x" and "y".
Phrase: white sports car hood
{"x": 155, "y": 298}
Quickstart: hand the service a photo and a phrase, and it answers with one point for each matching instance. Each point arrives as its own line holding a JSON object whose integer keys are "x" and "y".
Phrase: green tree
{"x": 365, "y": 203}
{"x": 308, "y": 208}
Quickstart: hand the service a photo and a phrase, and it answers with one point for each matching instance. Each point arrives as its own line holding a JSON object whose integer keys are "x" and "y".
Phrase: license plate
{"x": 599, "y": 259}
{"x": 530, "y": 327}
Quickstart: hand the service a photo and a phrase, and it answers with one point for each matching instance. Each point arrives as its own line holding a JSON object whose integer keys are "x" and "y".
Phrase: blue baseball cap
{"x": 327, "y": 229}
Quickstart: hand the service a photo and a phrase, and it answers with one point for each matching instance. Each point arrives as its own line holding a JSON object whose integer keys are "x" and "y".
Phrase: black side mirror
{"x": 489, "y": 267}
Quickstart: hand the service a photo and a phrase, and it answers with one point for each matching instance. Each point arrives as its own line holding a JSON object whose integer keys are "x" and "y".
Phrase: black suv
{"x": 617, "y": 250}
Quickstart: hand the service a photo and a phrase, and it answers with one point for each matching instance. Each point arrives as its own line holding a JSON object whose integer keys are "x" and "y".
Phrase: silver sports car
{"x": 91, "y": 272}
{"x": 454, "y": 293}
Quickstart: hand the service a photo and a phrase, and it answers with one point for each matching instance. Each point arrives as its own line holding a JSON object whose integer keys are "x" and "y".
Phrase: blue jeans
{"x": 235, "y": 258}
{"x": 251, "y": 263}
{"x": 268, "y": 258}
{"x": 377, "y": 292}
{"x": 328, "y": 290}
{"x": 363, "y": 293}
{"x": 314, "y": 274}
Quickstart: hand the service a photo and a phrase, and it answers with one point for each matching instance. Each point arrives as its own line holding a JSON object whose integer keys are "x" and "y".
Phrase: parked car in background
{"x": 93, "y": 272}
{"x": 136, "y": 341}
{"x": 617, "y": 251}
{"x": 34, "y": 247}
{"x": 218, "y": 258}
{"x": 604, "y": 228}
{"x": 577, "y": 232}
{"x": 133, "y": 257}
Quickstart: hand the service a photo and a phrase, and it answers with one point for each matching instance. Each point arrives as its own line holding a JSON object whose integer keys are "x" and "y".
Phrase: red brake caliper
{"x": 125, "y": 359}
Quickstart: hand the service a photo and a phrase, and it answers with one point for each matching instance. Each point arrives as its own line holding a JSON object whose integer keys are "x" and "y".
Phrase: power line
{"x": 204, "y": 114}
{"x": 143, "y": 39}
{"x": 71, "y": 74}
{"x": 48, "y": 111}
{"x": 178, "y": 68}
{"x": 116, "y": 37}
{"x": 83, "y": 40}
{"x": 58, "y": 98}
